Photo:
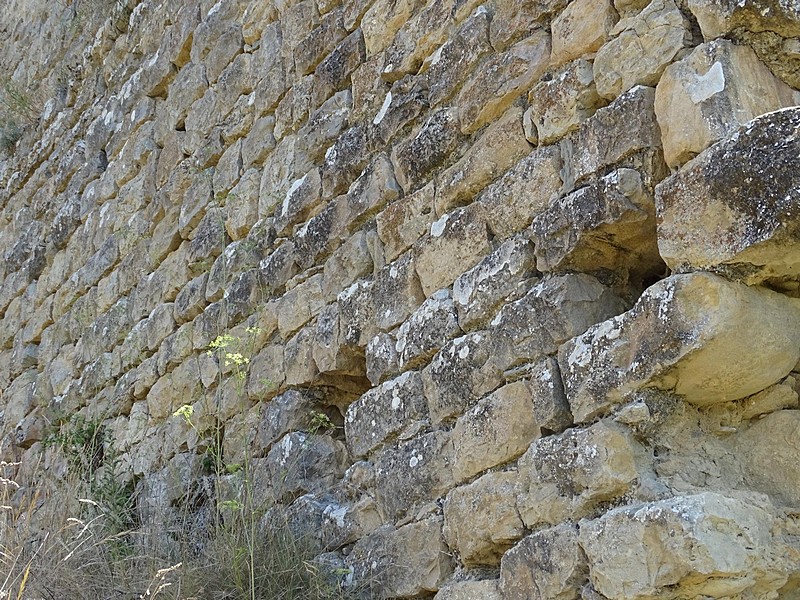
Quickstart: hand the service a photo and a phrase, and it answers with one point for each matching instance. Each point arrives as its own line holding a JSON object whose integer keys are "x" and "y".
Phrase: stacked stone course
{"x": 536, "y": 261}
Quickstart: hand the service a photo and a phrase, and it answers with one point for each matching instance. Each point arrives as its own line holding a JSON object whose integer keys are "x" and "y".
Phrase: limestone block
{"x": 704, "y": 544}
{"x": 357, "y": 313}
{"x": 427, "y": 329}
{"x": 744, "y": 227}
{"x": 701, "y": 322}
{"x": 325, "y": 125}
{"x": 404, "y": 562}
{"x": 267, "y": 372}
{"x": 303, "y": 462}
{"x": 310, "y": 51}
{"x": 208, "y": 240}
{"x": 303, "y": 196}
{"x": 709, "y": 94}
{"x": 175, "y": 348}
{"x": 277, "y": 268}
{"x": 299, "y": 358}
{"x": 344, "y": 161}
{"x": 241, "y": 205}
{"x": 458, "y": 375}
{"x": 403, "y": 103}
{"x": 568, "y": 475}
{"x": 331, "y": 353}
{"x": 446, "y": 66}
{"x": 612, "y": 135}
{"x": 457, "y": 241}
{"x": 369, "y": 194}
{"x": 503, "y": 276}
{"x": 18, "y": 398}
{"x": 513, "y": 200}
{"x": 333, "y": 73}
{"x": 397, "y": 292}
{"x": 548, "y": 564}
{"x": 481, "y": 520}
{"x": 412, "y": 473}
{"x": 299, "y": 305}
{"x": 717, "y": 18}
{"x": 382, "y": 358}
{"x": 643, "y": 46}
{"x": 581, "y": 29}
{"x": 553, "y": 311}
{"x": 383, "y": 20}
{"x": 513, "y": 19}
{"x": 405, "y": 221}
{"x": 173, "y": 390}
{"x": 349, "y": 262}
{"x": 608, "y": 224}
{"x": 499, "y": 147}
{"x": 499, "y": 428}
{"x": 286, "y": 412}
{"x": 325, "y": 523}
{"x": 550, "y": 406}
{"x": 559, "y": 105}
{"x": 433, "y": 144}
{"x": 769, "y": 459}
{"x": 506, "y": 76}
{"x": 383, "y": 412}
{"x": 369, "y": 89}
{"x": 268, "y": 70}
{"x": 321, "y": 234}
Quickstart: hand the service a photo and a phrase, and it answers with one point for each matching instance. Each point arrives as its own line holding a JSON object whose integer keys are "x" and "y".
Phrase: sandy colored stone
{"x": 743, "y": 228}
{"x": 702, "y": 322}
{"x": 709, "y": 94}
{"x": 643, "y": 46}
{"x": 468, "y": 590}
{"x": 405, "y": 221}
{"x": 481, "y": 520}
{"x": 581, "y": 29}
{"x": 427, "y": 329}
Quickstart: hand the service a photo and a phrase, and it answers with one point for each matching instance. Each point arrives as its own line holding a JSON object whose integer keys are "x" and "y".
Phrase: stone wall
{"x": 509, "y": 289}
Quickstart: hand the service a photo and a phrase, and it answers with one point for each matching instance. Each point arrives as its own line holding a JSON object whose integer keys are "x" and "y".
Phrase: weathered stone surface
{"x": 383, "y": 412}
{"x": 513, "y": 200}
{"x": 499, "y": 428}
{"x": 553, "y": 311}
{"x": 707, "y": 96}
{"x": 427, "y": 329}
{"x": 457, "y": 241}
{"x": 468, "y": 590}
{"x": 581, "y": 28}
{"x": 744, "y": 226}
{"x": 559, "y": 105}
{"x": 643, "y": 46}
{"x": 609, "y": 224}
{"x": 412, "y": 473}
{"x": 403, "y": 562}
{"x": 383, "y": 20}
{"x": 520, "y": 19}
{"x": 550, "y": 406}
{"x": 569, "y": 475}
{"x": 303, "y": 462}
{"x": 500, "y": 146}
{"x": 403, "y": 103}
{"x": 481, "y": 520}
{"x": 331, "y": 353}
{"x": 698, "y": 353}
{"x": 405, "y": 221}
{"x": 458, "y": 375}
{"x": 396, "y": 292}
{"x": 501, "y": 277}
{"x": 612, "y": 136}
{"x": 508, "y": 75}
{"x": 704, "y": 544}
{"x": 548, "y": 564}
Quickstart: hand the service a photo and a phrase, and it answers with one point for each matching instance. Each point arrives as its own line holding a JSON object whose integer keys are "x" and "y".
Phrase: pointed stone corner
{"x": 733, "y": 209}
{"x": 698, "y": 335}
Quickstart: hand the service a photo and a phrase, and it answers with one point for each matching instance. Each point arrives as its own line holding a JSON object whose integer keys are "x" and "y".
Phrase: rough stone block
{"x": 469, "y": 590}
{"x": 303, "y": 462}
{"x": 501, "y": 277}
{"x": 457, "y": 241}
{"x": 405, "y": 221}
{"x": 499, "y": 428}
{"x": 515, "y": 19}
{"x": 550, "y": 406}
{"x": 507, "y": 76}
{"x": 396, "y": 292}
{"x": 581, "y": 28}
{"x": 548, "y": 564}
{"x": 643, "y": 46}
{"x": 704, "y": 544}
{"x": 427, "y": 329}
{"x": 569, "y": 475}
{"x": 708, "y": 95}
{"x": 384, "y": 412}
{"x": 729, "y": 211}
{"x": 481, "y": 520}
{"x": 701, "y": 323}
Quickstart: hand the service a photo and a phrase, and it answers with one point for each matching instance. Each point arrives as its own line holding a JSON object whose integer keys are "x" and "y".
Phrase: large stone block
{"x": 709, "y": 94}
{"x": 303, "y": 462}
{"x": 427, "y": 329}
{"x": 569, "y": 475}
{"x": 686, "y": 334}
{"x": 643, "y": 46}
{"x": 470, "y": 590}
{"x": 405, "y": 221}
{"x": 609, "y": 224}
{"x": 481, "y": 520}
{"x": 546, "y": 565}
{"x": 581, "y": 28}
{"x": 506, "y": 76}
{"x": 730, "y": 209}
{"x": 704, "y": 545}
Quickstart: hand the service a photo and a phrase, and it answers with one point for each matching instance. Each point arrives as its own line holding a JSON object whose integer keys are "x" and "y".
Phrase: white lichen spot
{"x": 294, "y": 187}
{"x": 437, "y": 55}
{"x": 706, "y": 86}
{"x": 463, "y": 353}
{"x": 384, "y": 109}
{"x": 437, "y": 227}
{"x": 581, "y": 354}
